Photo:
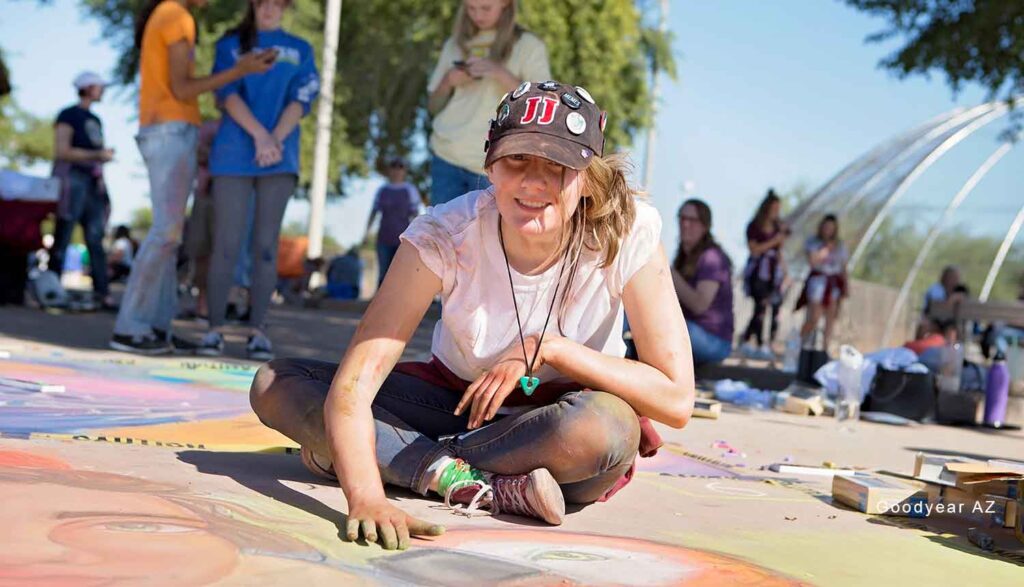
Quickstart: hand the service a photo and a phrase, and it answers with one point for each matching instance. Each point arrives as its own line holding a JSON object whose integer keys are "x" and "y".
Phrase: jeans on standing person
{"x": 448, "y": 181}
{"x": 706, "y": 347}
{"x": 88, "y": 208}
{"x": 586, "y": 440}
{"x": 151, "y": 297}
{"x": 385, "y": 255}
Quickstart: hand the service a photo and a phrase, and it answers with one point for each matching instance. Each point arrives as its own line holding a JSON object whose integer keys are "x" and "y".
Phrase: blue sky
{"x": 768, "y": 94}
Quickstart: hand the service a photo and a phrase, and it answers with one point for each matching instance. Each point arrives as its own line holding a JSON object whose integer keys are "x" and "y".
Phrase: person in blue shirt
{"x": 255, "y": 154}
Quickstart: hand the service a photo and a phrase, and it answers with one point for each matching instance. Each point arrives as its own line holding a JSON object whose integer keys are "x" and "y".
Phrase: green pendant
{"x": 529, "y": 384}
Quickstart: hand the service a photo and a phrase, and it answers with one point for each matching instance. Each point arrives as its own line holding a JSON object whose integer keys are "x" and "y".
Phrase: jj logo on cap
{"x": 538, "y": 104}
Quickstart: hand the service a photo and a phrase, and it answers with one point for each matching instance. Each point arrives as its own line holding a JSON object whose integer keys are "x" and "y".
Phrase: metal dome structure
{"x": 873, "y": 191}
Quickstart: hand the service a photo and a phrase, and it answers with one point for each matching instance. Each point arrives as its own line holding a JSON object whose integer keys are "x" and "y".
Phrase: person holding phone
{"x": 487, "y": 55}
{"x": 762, "y": 278}
{"x": 255, "y": 154}
{"x": 165, "y": 36}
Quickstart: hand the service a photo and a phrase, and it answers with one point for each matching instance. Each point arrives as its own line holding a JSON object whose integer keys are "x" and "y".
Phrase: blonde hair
{"x": 507, "y": 32}
{"x": 603, "y": 217}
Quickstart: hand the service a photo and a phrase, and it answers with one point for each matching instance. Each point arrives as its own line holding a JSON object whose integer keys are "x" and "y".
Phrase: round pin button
{"x": 549, "y": 86}
{"x": 571, "y": 101}
{"x": 584, "y": 94}
{"x": 503, "y": 113}
{"x": 522, "y": 89}
{"x": 576, "y": 123}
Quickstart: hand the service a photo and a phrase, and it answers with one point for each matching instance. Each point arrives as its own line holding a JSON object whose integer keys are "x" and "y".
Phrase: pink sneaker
{"x": 534, "y": 495}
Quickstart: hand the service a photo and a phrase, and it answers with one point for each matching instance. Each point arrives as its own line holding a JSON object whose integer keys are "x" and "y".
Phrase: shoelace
{"x": 514, "y": 496}
{"x": 473, "y": 507}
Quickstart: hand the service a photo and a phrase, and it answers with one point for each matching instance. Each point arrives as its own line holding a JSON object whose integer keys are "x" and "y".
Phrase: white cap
{"x": 88, "y": 78}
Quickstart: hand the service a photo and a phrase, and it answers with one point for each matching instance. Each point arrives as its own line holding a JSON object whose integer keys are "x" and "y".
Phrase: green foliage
{"x": 5, "y": 78}
{"x": 968, "y": 40}
{"x": 894, "y": 248}
{"x": 142, "y": 220}
{"x": 388, "y": 48}
{"x": 24, "y": 139}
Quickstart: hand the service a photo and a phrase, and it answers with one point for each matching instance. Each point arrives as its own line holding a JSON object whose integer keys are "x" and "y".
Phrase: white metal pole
{"x": 324, "y": 114}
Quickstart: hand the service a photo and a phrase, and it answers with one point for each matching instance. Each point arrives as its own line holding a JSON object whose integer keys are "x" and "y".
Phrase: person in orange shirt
{"x": 165, "y": 36}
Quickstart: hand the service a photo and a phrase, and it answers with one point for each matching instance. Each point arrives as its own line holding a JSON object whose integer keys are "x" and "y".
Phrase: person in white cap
{"x": 79, "y": 155}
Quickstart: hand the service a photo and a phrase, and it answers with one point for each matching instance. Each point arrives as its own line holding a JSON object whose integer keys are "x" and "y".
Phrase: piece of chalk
{"x": 980, "y": 539}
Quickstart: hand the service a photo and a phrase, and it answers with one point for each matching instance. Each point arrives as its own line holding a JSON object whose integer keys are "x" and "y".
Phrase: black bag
{"x": 911, "y": 395}
{"x": 810, "y": 361}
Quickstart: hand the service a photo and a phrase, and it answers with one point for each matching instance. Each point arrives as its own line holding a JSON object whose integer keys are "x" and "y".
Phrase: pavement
{"x": 153, "y": 471}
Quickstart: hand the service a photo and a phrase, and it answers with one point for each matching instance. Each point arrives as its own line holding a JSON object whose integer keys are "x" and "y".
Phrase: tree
{"x": 979, "y": 41}
{"x": 24, "y": 139}
{"x": 142, "y": 220}
{"x": 388, "y": 49}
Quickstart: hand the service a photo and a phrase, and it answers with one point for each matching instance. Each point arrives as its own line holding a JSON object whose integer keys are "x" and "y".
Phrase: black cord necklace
{"x": 529, "y": 383}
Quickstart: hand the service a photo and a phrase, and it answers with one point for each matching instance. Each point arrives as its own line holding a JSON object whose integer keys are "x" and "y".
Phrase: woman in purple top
{"x": 397, "y": 202}
{"x": 702, "y": 275}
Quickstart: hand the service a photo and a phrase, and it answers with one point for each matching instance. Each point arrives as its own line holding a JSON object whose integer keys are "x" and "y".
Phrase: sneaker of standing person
{"x": 259, "y": 347}
{"x": 179, "y": 346}
{"x": 748, "y": 351}
{"x": 535, "y": 494}
{"x": 140, "y": 345}
{"x": 212, "y": 345}
{"x": 765, "y": 353}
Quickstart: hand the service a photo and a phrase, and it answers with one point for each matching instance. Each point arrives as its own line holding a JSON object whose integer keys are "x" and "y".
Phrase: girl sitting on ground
{"x": 528, "y": 401}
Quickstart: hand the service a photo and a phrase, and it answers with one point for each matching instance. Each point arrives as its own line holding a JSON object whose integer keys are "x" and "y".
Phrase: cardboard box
{"x": 804, "y": 403}
{"x": 707, "y": 408}
{"x": 995, "y": 510}
{"x": 1019, "y": 527}
{"x": 995, "y": 477}
{"x": 875, "y": 495}
{"x": 931, "y": 468}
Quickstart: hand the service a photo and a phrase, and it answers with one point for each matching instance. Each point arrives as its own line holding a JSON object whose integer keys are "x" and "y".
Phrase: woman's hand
{"x": 480, "y": 68}
{"x": 457, "y": 77}
{"x": 268, "y": 149}
{"x": 379, "y": 521}
{"x": 485, "y": 395}
{"x": 256, "y": 61}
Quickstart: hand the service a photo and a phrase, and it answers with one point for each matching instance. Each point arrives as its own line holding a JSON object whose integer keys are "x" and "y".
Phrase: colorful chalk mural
{"x": 118, "y": 392}
{"x": 72, "y": 526}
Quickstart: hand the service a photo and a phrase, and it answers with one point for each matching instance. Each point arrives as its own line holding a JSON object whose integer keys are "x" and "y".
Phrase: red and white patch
{"x": 539, "y": 108}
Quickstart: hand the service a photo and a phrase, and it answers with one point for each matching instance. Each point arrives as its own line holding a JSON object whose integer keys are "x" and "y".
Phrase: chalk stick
{"x": 35, "y": 386}
{"x": 805, "y": 470}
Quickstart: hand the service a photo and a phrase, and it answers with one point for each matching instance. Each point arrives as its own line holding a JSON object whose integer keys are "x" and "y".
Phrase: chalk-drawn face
{"x": 590, "y": 559}
{"x": 84, "y": 528}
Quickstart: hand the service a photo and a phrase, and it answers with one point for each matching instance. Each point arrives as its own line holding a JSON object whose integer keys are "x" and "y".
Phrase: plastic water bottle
{"x": 791, "y": 358}
{"x": 951, "y": 368}
{"x": 997, "y": 391}
{"x": 851, "y": 369}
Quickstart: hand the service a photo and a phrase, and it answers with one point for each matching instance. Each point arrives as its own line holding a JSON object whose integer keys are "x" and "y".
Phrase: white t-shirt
{"x": 458, "y": 241}
{"x": 459, "y": 130}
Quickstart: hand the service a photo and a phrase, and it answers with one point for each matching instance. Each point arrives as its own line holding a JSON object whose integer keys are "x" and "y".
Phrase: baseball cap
{"x": 556, "y": 121}
{"x": 89, "y": 78}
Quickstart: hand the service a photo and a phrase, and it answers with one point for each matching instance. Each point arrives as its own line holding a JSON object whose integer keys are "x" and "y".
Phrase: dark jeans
{"x": 761, "y": 292}
{"x": 385, "y": 255}
{"x": 449, "y": 181}
{"x": 87, "y": 208}
{"x": 587, "y": 440}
